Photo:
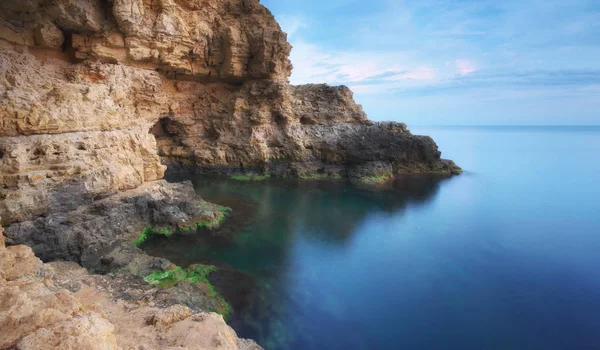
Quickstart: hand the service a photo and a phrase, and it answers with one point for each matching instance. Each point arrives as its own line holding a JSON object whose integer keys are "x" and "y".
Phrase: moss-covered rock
{"x": 197, "y": 273}
{"x": 251, "y": 177}
{"x": 376, "y": 179}
{"x": 214, "y": 218}
{"x": 148, "y": 232}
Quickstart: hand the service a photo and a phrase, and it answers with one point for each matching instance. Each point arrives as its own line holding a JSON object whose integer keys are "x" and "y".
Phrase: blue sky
{"x": 452, "y": 62}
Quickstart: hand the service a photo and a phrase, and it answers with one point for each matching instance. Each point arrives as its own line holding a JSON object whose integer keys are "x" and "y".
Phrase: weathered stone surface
{"x": 61, "y": 306}
{"x": 48, "y": 35}
{"x": 46, "y": 95}
{"x": 95, "y": 228}
{"x": 34, "y": 314}
{"x": 95, "y": 96}
{"x": 234, "y": 40}
{"x": 207, "y": 78}
{"x": 288, "y": 131}
{"x": 61, "y": 124}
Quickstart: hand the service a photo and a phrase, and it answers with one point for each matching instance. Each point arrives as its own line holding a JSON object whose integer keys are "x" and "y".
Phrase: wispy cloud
{"x": 465, "y": 66}
{"x": 451, "y": 55}
{"x": 314, "y": 62}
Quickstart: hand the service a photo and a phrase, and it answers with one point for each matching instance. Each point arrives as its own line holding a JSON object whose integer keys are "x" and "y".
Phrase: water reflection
{"x": 286, "y": 237}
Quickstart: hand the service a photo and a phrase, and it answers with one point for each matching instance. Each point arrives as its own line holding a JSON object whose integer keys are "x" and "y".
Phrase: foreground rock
{"x": 98, "y": 234}
{"x": 61, "y": 306}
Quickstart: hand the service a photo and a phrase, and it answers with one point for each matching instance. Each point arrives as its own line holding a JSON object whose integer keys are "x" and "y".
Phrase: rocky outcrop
{"x": 98, "y": 233}
{"x": 80, "y": 126}
{"x": 295, "y": 131}
{"x": 98, "y": 98}
{"x": 61, "y": 306}
{"x": 83, "y": 83}
{"x": 231, "y": 40}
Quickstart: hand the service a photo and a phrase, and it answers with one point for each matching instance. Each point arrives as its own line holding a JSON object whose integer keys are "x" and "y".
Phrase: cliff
{"x": 99, "y": 98}
{"x": 85, "y": 81}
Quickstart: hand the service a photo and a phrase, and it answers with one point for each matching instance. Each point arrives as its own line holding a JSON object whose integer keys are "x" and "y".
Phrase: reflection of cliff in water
{"x": 263, "y": 238}
{"x": 332, "y": 208}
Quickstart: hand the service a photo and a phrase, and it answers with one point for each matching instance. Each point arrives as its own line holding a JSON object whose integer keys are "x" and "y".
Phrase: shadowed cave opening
{"x": 168, "y": 135}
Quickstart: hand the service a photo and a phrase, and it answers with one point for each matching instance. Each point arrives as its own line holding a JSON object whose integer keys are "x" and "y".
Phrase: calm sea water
{"x": 505, "y": 256}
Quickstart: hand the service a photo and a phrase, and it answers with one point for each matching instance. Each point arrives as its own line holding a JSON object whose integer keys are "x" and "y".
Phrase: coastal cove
{"x": 498, "y": 257}
{"x": 228, "y": 175}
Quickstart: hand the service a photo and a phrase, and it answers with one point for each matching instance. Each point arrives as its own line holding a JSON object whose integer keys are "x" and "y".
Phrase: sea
{"x": 504, "y": 256}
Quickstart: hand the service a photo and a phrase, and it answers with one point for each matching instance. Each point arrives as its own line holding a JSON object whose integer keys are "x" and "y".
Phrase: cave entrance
{"x": 168, "y": 134}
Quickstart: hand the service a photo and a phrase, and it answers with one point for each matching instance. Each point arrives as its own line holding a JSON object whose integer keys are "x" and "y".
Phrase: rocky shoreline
{"x": 60, "y": 305}
{"x": 99, "y": 98}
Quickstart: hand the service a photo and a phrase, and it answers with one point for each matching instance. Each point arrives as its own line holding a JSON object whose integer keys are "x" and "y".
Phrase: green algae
{"x": 195, "y": 274}
{"x": 251, "y": 177}
{"x": 221, "y": 214}
{"x": 167, "y": 279}
{"x": 148, "y": 232}
{"x": 317, "y": 176}
{"x": 375, "y": 179}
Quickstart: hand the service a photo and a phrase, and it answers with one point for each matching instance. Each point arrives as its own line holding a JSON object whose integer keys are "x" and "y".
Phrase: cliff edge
{"x": 89, "y": 86}
{"x": 99, "y": 98}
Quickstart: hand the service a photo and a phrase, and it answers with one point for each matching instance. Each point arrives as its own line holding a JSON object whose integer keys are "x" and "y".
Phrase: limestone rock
{"x": 36, "y": 313}
{"x": 171, "y": 315}
{"x": 96, "y": 97}
{"x": 92, "y": 228}
{"x": 82, "y": 332}
{"x": 207, "y": 79}
{"x": 49, "y": 36}
{"x": 287, "y": 131}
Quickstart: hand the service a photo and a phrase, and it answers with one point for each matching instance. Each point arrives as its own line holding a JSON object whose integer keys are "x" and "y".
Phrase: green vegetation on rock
{"x": 167, "y": 279}
{"x": 251, "y": 177}
{"x": 375, "y": 179}
{"x": 220, "y": 215}
{"x": 195, "y": 274}
{"x": 320, "y": 177}
{"x": 149, "y": 232}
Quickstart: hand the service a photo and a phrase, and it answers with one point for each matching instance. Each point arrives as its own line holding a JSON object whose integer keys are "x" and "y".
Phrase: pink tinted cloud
{"x": 465, "y": 66}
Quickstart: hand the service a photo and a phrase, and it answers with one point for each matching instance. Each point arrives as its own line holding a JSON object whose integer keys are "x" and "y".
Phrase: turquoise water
{"x": 505, "y": 256}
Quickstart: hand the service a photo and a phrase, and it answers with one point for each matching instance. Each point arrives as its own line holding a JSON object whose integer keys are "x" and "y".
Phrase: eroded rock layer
{"x": 88, "y": 86}
{"x": 98, "y": 98}
{"x": 60, "y": 306}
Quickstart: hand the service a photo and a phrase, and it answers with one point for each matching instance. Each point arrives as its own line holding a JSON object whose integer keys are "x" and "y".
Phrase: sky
{"x": 451, "y": 62}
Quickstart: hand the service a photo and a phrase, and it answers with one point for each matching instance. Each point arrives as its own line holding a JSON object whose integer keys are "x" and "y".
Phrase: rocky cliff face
{"x": 88, "y": 86}
{"x": 83, "y": 81}
{"x": 98, "y": 98}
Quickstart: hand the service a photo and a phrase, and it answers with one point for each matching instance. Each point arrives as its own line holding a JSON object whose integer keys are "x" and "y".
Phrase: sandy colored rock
{"x": 36, "y": 313}
{"x": 96, "y": 98}
{"x": 82, "y": 332}
{"x": 170, "y": 315}
{"x": 48, "y": 35}
{"x": 207, "y": 79}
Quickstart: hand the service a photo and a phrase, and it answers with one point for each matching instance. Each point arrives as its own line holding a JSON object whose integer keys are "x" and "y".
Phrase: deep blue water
{"x": 504, "y": 256}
